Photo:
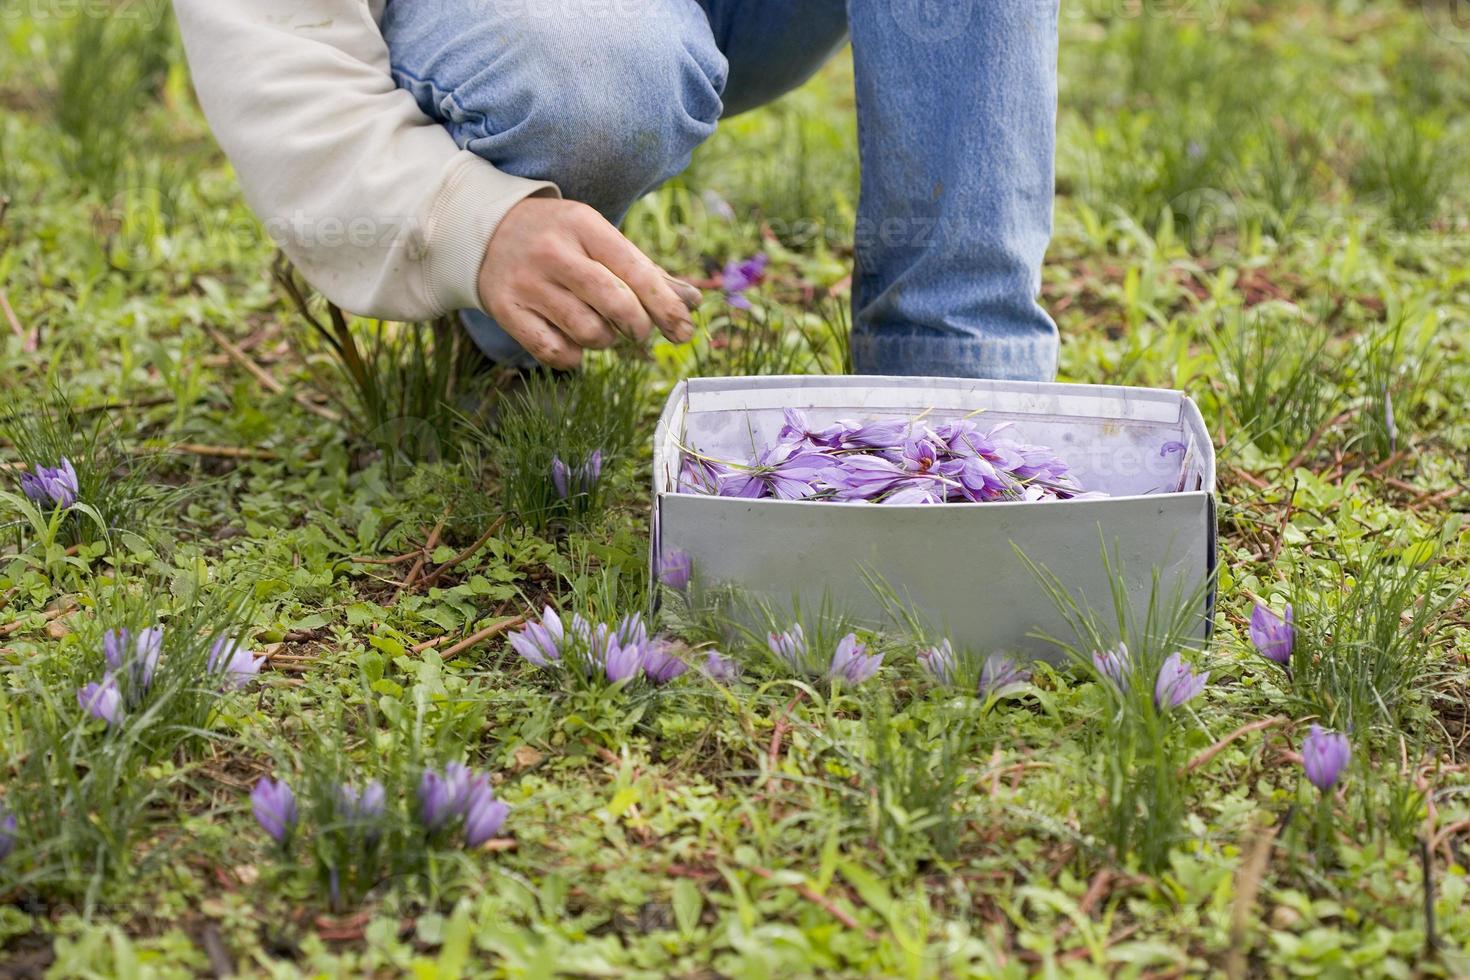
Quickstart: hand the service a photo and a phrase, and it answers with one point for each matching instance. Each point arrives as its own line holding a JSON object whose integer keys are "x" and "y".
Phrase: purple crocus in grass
{"x": 1272, "y": 635}
{"x": 939, "y": 662}
{"x": 851, "y": 661}
{"x": 540, "y": 643}
{"x": 1325, "y": 755}
{"x": 631, "y": 630}
{"x": 137, "y": 658}
{"x": 7, "y": 833}
{"x": 569, "y": 481}
{"x": 1001, "y": 671}
{"x": 721, "y": 669}
{"x": 54, "y": 485}
{"x": 362, "y": 805}
{"x": 659, "y": 663}
{"x": 484, "y": 815}
{"x": 790, "y": 648}
{"x": 274, "y": 806}
{"x": 102, "y": 700}
{"x": 1177, "y": 683}
{"x": 740, "y": 276}
{"x": 1115, "y": 664}
{"x": 442, "y": 794}
{"x": 620, "y": 661}
{"x": 236, "y": 665}
{"x": 674, "y": 569}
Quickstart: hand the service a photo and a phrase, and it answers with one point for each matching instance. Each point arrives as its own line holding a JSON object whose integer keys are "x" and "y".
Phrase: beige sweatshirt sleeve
{"x": 372, "y": 200}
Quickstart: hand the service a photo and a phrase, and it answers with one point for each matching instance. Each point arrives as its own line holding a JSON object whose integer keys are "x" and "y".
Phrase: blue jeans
{"x": 956, "y": 103}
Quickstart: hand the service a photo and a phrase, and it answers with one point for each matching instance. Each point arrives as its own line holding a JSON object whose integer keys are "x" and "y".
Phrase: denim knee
{"x": 606, "y": 107}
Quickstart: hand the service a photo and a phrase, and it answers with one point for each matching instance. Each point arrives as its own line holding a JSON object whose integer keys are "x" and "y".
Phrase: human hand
{"x": 559, "y": 278}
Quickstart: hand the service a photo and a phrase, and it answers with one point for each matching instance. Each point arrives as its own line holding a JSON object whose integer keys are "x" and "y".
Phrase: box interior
{"x": 1120, "y": 441}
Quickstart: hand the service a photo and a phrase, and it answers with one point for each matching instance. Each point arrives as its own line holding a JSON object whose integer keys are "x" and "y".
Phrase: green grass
{"x": 1261, "y": 208}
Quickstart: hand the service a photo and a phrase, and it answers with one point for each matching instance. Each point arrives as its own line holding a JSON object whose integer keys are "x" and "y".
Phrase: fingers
{"x": 596, "y": 287}
{"x": 585, "y": 326}
{"x": 688, "y": 292}
{"x": 654, "y": 289}
{"x": 539, "y": 338}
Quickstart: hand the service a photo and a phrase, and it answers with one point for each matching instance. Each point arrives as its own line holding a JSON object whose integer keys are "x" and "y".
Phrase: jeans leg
{"x": 604, "y": 101}
{"x": 957, "y": 130}
{"x": 773, "y": 45}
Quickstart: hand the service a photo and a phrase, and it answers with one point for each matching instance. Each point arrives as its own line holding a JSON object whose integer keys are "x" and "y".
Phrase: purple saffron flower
{"x": 540, "y": 643}
{"x": 442, "y": 794}
{"x": 55, "y": 485}
{"x": 788, "y": 471}
{"x": 484, "y": 815}
{"x": 862, "y": 477}
{"x": 561, "y": 478}
{"x": 1177, "y": 684}
{"x": 699, "y": 475}
{"x": 851, "y": 661}
{"x": 1000, "y": 672}
{"x": 570, "y": 481}
{"x": 137, "y": 659}
{"x": 1325, "y": 755}
{"x": 236, "y": 665}
{"x": 790, "y": 648}
{"x": 939, "y": 662}
{"x": 621, "y": 661}
{"x": 7, "y": 833}
{"x": 874, "y": 434}
{"x": 659, "y": 663}
{"x": 102, "y": 700}
{"x": 1389, "y": 425}
{"x": 274, "y": 806}
{"x": 674, "y": 569}
{"x": 632, "y": 630}
{"x": 741, "y": 276}
{"x": 1272, "y": 635}
{"x": 798, "y": 429}
{"x": 1115, "y": 664}
{"x": 721, "y": 670}
{"x": 362, "y": 806}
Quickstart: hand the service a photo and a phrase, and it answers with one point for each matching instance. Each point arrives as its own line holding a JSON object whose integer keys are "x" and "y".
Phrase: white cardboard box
{"x": 955, "y": 562}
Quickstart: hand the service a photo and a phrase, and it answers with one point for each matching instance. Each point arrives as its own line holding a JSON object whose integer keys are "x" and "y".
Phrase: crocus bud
{"x": 274, "y": 805}
{"x": 1272, "y": 635}
{"x": 102, "y": 700}
{"x": 1177, "y": 684}
{"x": 1325, "y": 755}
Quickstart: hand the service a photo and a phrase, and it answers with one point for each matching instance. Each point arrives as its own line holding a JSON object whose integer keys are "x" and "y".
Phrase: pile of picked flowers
{"x": 887, "y": 461}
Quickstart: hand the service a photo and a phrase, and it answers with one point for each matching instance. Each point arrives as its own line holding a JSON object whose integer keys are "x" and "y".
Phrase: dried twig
{"x": 1247, "y": 886}
{"x": 418, "y": 566}
{"x": 1205, "y": 755}
{"x": 482, "y": 635}
{"x": 484, "y": 539}
{"x": 266, "y": 379}
{"x": 27, "y": 340}
{"x": 809, "y": 893}
{"x": 221, "y": 452}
